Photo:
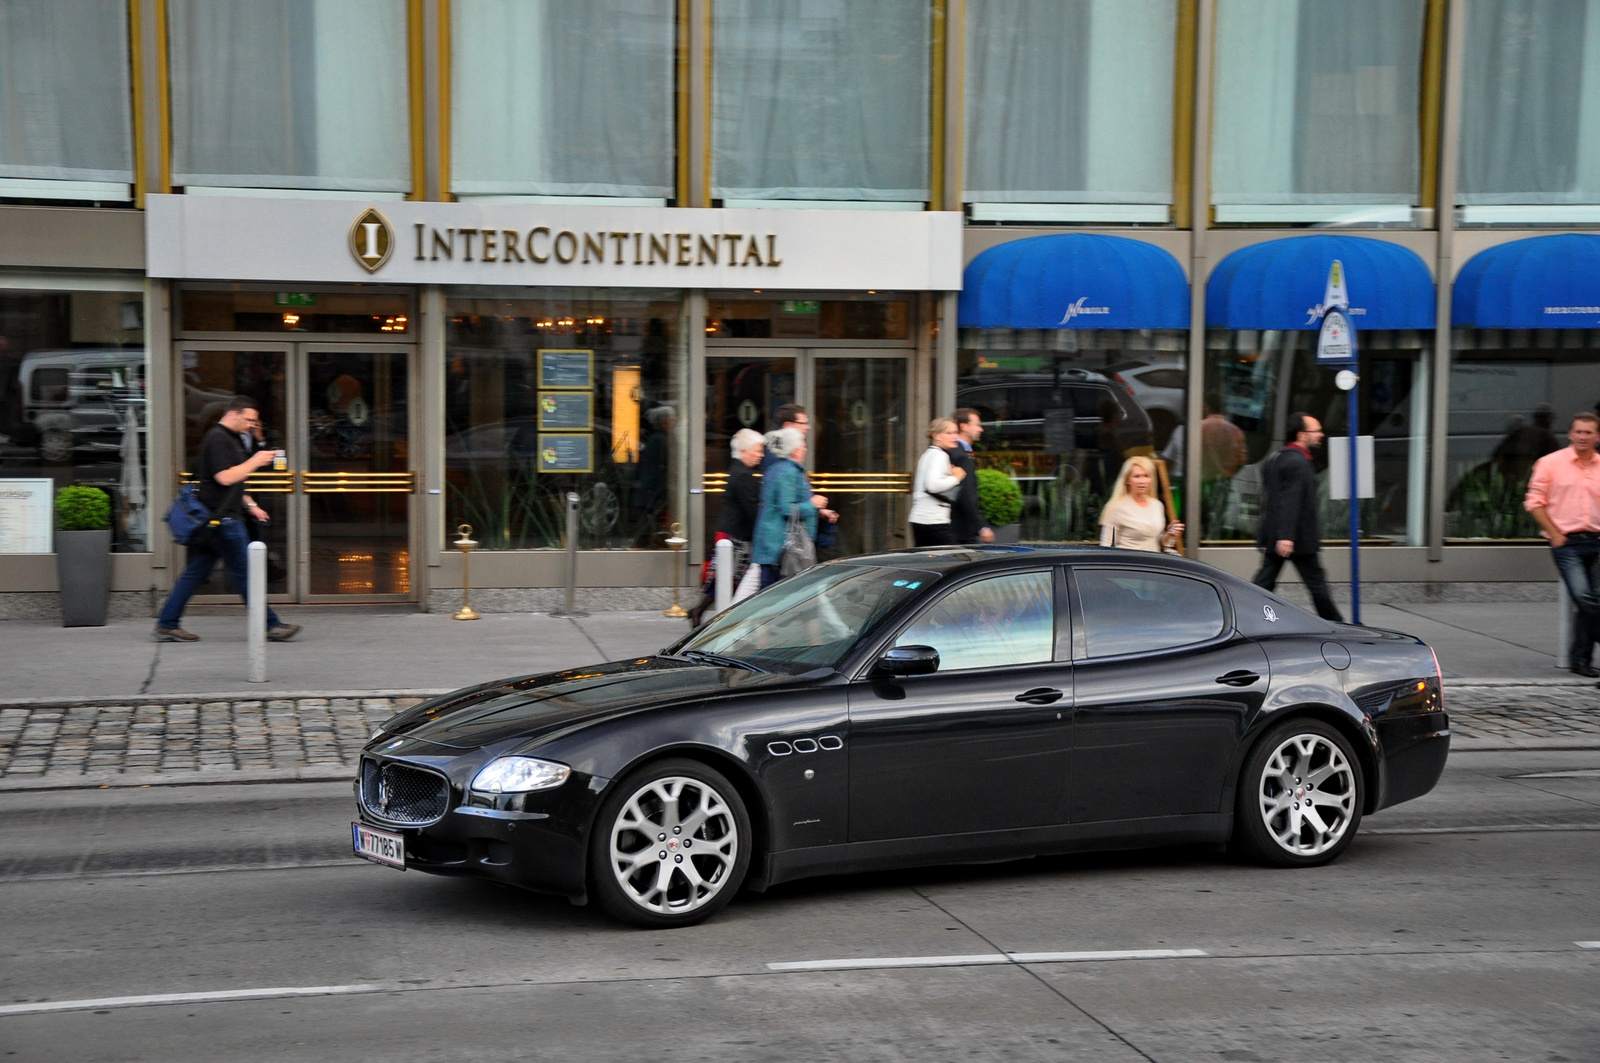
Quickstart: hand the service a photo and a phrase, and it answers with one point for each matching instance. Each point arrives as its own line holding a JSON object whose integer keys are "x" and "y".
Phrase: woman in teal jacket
{"x": 784, "y": 487}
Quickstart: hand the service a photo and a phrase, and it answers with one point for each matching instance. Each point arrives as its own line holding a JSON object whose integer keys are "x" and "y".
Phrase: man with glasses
{"x": 1291, "y": 524}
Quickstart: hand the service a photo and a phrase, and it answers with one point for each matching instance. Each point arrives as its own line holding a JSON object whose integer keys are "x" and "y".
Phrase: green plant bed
{"x": 83, "y": 509}
{"x": 999, "y": 498}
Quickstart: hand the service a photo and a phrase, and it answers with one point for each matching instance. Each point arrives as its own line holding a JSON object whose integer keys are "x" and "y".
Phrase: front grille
{"x": 400, "y": 793}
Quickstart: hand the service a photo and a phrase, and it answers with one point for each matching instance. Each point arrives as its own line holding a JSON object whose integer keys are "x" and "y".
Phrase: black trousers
{"x": 1310, "y": 568}
{"x": 933, "y": 535}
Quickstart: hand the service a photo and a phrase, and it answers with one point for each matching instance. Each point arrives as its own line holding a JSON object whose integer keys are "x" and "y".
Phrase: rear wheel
{"x": 1300, "y": 796}
{"x": 671, "y": 845}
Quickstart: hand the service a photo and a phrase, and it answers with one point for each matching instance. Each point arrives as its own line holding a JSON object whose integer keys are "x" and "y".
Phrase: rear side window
{"x": 49, "y": 385}
{"x": 1133, "y": 611}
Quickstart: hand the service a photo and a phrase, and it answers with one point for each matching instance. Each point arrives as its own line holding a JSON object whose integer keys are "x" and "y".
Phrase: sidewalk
{"x": 109, "y": 707}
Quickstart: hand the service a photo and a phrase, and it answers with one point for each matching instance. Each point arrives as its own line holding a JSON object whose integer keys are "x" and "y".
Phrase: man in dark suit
{"x": 966, "y": 519}
{"x": 1291, "y": 527}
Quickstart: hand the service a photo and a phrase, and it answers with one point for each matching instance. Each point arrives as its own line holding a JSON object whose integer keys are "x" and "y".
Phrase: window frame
{"x": 1061, "y": 622}
{"x": 1080, "y": 640}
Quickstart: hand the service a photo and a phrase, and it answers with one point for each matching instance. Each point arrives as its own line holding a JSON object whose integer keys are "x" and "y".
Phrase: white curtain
{"x": 1530, "y": 123}
{"x": 551, "y": 97}
{"x": 1317, "y": 102}
{"x": 308, "y": 94}
{"x": 1070, "y": 101}
{"x": 821, "y": 99}
{"x": 65, "y": 95}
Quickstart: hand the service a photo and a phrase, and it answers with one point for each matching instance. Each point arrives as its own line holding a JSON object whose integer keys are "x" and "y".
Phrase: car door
{"x": 1162, "y": 688}
{"x": 982, "y": 744}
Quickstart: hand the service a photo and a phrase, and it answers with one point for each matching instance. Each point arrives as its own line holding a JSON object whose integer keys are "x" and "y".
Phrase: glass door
{"x": 857, "y": 446}
{"x": 340, "y": 514}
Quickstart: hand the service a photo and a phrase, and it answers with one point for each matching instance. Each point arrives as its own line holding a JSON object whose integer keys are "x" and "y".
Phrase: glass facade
{"x": 1530, "y": 114}
{"x": 817, "y": 100}
{"x": 1317, "y": 114}
{"x": 1063, "y": 409}
{"x": 1513, "y": 393}
{"x": 1069, "y": 110}
{"x": 550, "y": 391}
{"x": 72, "y": 398}
{"x": 66, "y": 100}
{"x": 559, "y": 99}
{"x": 290, "y": 94}
{"x": 1256, "y": 379}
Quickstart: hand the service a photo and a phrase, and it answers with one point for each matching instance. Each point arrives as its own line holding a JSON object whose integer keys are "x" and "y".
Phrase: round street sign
{"x": 1345, "y": 380}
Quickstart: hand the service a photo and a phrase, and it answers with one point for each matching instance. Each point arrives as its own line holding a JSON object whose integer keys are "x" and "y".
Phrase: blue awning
{"x": 1075, "y": 280}
{"x": 1541, "y": 282}
{"x": 1279, "y": 285}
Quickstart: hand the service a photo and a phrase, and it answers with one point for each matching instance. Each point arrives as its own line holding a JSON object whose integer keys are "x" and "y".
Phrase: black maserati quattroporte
{"x": 915, "y": 708}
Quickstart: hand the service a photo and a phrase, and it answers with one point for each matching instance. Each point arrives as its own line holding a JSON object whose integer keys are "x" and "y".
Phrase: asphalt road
{"x": 1448, "y": 931}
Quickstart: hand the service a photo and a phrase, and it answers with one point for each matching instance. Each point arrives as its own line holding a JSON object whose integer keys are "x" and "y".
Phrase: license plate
{"x": 379, "y": 845}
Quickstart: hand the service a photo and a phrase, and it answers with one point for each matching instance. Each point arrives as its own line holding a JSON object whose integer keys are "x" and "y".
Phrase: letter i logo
{"x": 371, "y": 240}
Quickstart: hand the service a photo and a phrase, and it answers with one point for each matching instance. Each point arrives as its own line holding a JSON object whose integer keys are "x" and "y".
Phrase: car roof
{"x": 950, "y": 559}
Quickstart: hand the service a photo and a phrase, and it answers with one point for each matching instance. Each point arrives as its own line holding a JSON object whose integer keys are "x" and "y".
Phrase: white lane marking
{"x": 877, "y": 962}
{"x": 105, "y": 1003}
{"x": 1502, "y": 828}
{"x": 1576, "y": 773}
{"x": 1587, "y": 944}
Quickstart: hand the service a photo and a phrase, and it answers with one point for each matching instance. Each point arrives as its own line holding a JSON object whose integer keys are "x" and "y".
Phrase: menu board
{"x": 25, "y": 517}
{"x": 566, "y": 452}
{"x": 566, "y": 411}
{"x": 566, "y": 369}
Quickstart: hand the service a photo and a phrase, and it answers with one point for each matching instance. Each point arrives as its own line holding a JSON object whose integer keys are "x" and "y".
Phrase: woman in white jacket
{"x": 930, "y": 510}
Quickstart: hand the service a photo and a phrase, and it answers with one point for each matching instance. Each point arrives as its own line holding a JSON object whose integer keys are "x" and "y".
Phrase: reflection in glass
{"x": 1062, "y": 409}
{"x": 295, "y": 312}
{"x": 1132, "y": 612}
{"x": 859, "y": 441}
{"x": 1512, "y": 397}
{"x": 990, "y": 624}
{"x": 1255, "y": 379}
{"x": 741, "y": 392}
{"x": 72, "y": 399}
{"x": 629, "y": 496}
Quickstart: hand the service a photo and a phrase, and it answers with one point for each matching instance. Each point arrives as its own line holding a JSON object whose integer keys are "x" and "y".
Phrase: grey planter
{"x": 1009, "y": 534}
{"x": 83, "y": 569}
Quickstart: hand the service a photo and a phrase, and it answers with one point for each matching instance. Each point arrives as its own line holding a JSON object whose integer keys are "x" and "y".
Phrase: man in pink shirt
{"x": 1564, "y": 497}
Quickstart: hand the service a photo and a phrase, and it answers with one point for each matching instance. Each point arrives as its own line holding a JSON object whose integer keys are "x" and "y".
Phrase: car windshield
{"x": 808, "y": 621}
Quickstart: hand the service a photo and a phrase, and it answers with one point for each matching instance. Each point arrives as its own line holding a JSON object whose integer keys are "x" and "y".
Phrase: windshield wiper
{"x": 706, "y": 657}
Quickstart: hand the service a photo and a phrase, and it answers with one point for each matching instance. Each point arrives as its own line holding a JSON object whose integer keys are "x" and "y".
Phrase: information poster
{"x": 566, "y": 411}
{"x": 25, "y": 516}
{"x": 566, "y": 452}
{"x": 567, "y": 370}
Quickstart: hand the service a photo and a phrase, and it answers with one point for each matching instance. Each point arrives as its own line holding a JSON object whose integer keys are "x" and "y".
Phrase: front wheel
{"x": 1300, "y": 796}
{"x": 670, "y": 846}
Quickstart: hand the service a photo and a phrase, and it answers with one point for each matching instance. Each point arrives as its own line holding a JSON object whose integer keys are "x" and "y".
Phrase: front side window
{"x": 816, "y": 100}
{"x": 1530, "y": 113}
{"x": 303, "y": 94}
{"x": 1069, "y": 110}
{"x": 1130, "y": 611}
{"x": 1316, "y": 116}
{"x": 1004, "y": 620}
{"x": 66, "y": 118}
{"x": 554, "y": 98}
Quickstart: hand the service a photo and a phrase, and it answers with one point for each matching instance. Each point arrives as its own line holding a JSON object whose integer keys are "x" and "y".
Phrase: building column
{"x": 1444, "y": 278}
{"x": 1200, "y": 215}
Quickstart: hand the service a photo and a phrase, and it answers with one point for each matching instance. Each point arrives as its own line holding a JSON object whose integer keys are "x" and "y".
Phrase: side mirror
{"x": 908, "y": 660}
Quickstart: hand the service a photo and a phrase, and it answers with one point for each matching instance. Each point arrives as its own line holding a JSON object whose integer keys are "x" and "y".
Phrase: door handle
{"x": 1240, "y": 677}
{"x": 1040, "y": 696}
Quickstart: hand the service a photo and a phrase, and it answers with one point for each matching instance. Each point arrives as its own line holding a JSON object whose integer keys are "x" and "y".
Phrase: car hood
{"x": 532, "y": 706}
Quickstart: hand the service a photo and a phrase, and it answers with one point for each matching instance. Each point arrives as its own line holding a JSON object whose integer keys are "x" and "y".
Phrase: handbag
{"x": 799, "y": 552}
{"x": 192, "y": 523}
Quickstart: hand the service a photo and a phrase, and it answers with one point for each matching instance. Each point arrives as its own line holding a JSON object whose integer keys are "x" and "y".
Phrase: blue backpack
{"x": 189, "y": 518}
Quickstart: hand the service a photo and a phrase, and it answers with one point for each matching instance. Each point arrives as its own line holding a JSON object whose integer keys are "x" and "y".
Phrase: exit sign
{"x": 802, "y": 306}
{"x": 295, "y": 298}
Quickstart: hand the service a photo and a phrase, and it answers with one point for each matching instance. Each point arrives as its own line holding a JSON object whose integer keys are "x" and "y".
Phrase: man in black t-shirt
{"x": 223, "y": 466}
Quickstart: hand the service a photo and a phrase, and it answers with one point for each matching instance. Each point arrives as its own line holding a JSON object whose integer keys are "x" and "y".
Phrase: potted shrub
{"x": 1000, "y": 499}
{"x": 83, "y": 555}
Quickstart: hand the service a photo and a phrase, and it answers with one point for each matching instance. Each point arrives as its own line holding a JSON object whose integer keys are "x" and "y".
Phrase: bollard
{"x": 724, "y": 566}
{"x": 676, "y": 542}
{"x": 465, "y": 545}
{"x": 570, "y": 611}
{"x": 1564, "y": 622}
{"x": 255, "y": 596}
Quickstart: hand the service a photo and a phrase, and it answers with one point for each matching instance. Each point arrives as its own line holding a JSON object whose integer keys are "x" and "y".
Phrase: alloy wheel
{"x": 674, "y": 845}
{"x": 1307, "y": 794}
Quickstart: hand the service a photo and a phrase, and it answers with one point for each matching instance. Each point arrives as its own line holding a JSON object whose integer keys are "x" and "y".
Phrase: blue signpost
{"x": 1336, "y": 346}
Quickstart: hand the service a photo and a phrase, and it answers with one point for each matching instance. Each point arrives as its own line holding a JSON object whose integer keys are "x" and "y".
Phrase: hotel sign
{"x": 301, "y": 240}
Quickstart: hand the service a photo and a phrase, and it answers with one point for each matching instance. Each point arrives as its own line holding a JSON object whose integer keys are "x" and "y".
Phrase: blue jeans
{"x": 1579, "y": 564}
{"x": 230, "y": 543}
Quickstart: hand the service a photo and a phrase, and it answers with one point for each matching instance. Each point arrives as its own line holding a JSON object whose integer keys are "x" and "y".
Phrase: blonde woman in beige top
{"x": 1135, "y": 519}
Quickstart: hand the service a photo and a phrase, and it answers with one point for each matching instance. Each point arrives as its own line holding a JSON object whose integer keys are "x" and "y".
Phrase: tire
{"x": 670, "y": 846}
{"x": 1280, "y": 820}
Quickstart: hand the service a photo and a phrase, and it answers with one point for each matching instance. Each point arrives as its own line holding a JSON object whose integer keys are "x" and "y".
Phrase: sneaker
{"x": 175, "y": 634}
{"x": 283, "y": 632}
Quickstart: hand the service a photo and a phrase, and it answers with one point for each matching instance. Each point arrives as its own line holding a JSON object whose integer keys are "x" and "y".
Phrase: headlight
{"x": 519, "y": 775}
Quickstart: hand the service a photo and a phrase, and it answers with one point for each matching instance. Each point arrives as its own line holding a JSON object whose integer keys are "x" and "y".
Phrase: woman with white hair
{"x": 741, "y": 502}
{"x": 784, "y": 491}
